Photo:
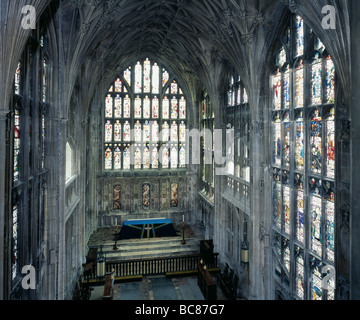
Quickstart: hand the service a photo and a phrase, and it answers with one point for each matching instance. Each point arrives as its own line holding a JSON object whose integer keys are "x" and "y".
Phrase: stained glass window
{"x": 165, "y": 157}
{"x": 129, "y": 134}
{"x": 108, "y": 157}
{"x": 18, "y": 79}
{"x": 330, "y": 80}
{"x": 315, "y": 142}
{"x": 118, "y": 107}
{"x": 155, "y": 79}
{"x": 155, "y": 108}
{"x": 44, "y": 80}
{"x": 300, "y": 280}
{"x": 14, "y": 244}
{"x": 299, "y": 36}
{"x": 316, "y": 80}
{"x": 147, "y": 73}
{"x": 303, "y": 206}
{"x": 17, "y": 141}
{"x": 330, "y": 145}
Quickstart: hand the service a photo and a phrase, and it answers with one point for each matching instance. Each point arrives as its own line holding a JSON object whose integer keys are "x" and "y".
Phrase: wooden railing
{"x": 157, "y": 266}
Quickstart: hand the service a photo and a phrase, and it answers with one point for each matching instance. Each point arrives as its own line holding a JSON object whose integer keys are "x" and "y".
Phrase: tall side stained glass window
{"x": 303, "y": 160}
{"x": 145, "y": 120}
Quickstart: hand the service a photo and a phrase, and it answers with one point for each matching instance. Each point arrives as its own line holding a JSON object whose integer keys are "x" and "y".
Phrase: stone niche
{"x": 126, "y": 198}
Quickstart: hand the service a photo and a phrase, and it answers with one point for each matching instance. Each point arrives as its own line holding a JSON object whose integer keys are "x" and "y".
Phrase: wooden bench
{"x": 228, "y": 281}
{"x": 109, "y": 287}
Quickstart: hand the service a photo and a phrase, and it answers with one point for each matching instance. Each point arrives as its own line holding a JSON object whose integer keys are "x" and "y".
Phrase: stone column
{"x": 355, "y": 152}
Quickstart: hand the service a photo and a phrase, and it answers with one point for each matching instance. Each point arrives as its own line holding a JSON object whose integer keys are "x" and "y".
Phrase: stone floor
{"x": 156, "y": 288}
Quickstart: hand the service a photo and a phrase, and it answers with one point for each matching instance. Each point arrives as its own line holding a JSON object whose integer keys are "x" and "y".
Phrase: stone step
{"x": 150, "y": 248}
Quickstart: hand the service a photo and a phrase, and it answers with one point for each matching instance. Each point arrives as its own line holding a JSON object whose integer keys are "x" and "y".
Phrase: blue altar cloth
{"x": 152, "y": 228}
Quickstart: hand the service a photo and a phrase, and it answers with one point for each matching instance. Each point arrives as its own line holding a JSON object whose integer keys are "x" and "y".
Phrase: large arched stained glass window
{"x": 303, "y": 160}
{"x": 145, "y": 120}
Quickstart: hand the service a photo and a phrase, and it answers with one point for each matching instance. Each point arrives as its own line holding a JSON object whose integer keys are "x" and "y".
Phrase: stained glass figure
{"x": 182, "y": 132}
{"x": 16, "y": 145}
{"x": 137, "y": 132}
{"x": 137, "y": 158}
{"x": 174, "y": 132}
{"x": 108, "y": 157}
{"x": 165, "y": 157}
{"x": 174, "y": 157}
{"x": 154, "y": 157}
{"x": 315, "y": 143}
{"x": 277, "y": 203}
{"x": 299, "y": 36}
{"x": 174, "y": 108}
{"x": 299, "y": 83}
{"x": 277, "y": 141}
{"x": 299, "y": 279}
{"x": 287, "y": 88}
{"x": 127, "y": 159}
{"x": 109, "y": 107}
{"x": 146, "y": 132}
{"x": 155, "y": 108}
{"x": 117, "y": 131}
{"x": 174, "y": 87}
{"x": 146, "y": 109}
{"x": 165, "y": 132}
{"x": 182, "y": 108}
{"x": 182, "y": 157}
{"x": 127, "y": 107}
{"x": 127, "y": 131}
{"x": 330, "y": 228}
{"x": 127, "y": 76}
{"x": 316, "y": 282}
{"x": 299, "y": 143}
{"x": 138, "y": 78}
{"x": 137, "y": 107}
{"x": 277, "y": 91}
{"x": 147, "y": 73}
{"x": 146, "y": 158}
{"x": 146, "y": 195}
{"x": 165, "y": 107}
{"x": 18, "y": 78}
{"x": 299, "y": 209}
{"x": 174, "y": 195}
{"x": 287, "y": 206}
{"x": 14, "y": 242}
{"x": 118, "y": 107}
{"x": 330, "y": 146}
{"x": 165, "y": 77}
{"x": 155, "y": 79}
{"x": 316, "y": 81}
{"x": 117, "y": 158}
{"x": 117, "y": 197}
{"x": 108, "y": 131}
{"x": 316, "y": 230}
{"x": 44, "y": 80}
{"x": 155, "y": 132}
{"x": 286, "y": 146}
{"x": 330, "y": 80}
{"x": 118, "y": 85}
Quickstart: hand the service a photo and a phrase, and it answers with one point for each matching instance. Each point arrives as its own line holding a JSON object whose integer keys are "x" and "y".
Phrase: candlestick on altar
{"x": 183, "y": 233}
{"x": 115, "y": 245}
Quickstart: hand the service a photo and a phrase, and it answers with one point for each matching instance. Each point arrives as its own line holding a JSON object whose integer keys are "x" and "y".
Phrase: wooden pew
{"x": 206, "y": 283}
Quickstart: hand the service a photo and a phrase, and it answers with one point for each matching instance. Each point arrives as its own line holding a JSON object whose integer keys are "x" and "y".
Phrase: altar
{"x": 147, "y": 228}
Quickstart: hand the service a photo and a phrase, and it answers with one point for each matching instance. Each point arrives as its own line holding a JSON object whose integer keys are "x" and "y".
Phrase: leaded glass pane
{"x": 117, "y": 158}
{"x": 118, "y": 107}
{"x": 315, "y": 142}
{"x": 108, "y": 157}
{"x": 138, "y": 78}
{"x": 316, "y": 81}
{"x": 147, "y": 72}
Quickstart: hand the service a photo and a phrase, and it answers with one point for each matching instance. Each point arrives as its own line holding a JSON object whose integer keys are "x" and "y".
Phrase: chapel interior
{"x": 180, "y": 138}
